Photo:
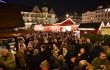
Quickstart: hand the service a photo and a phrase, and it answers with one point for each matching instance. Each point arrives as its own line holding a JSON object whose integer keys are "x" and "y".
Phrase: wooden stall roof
{"x": 12, "y": 33}
{"x": 90, "y": 25}
{"x": 10, "y": 16}
{"x": 2, "y": 36}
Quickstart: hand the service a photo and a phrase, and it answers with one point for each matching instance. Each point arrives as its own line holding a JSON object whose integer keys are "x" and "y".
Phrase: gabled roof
{"x": 61, "y": 20}
{"x": 67, "y": 22}
{"x": 107, "y": 25}
{"x": 7, "y": 33}
{"x": 95, "y": 26}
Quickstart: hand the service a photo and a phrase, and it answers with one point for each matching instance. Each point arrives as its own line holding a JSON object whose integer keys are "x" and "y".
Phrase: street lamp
{"x": 67, "y": 15}
{"x": 46, "y": 16}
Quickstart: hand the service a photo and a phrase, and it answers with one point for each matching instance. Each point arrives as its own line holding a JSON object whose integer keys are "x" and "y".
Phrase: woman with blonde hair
{"x": 107, "y": 50}
{"x": 44, "y": 65}
{"x": 60, "y": 64}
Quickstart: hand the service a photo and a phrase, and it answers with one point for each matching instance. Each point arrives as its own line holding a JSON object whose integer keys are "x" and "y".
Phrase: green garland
{"x": 95, "y": 37}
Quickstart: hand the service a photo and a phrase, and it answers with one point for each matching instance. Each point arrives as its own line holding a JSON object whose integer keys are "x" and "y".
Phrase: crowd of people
{"x": 53, "y": 51}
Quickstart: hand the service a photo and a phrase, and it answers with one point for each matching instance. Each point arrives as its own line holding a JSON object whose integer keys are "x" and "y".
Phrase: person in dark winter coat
{"x": 83, "y": 54}
{"x": 44, "y": 53}
{"x": 80, "y": 45}
{"x": 67, "y": 56}
{"x": 28, "y": 53}
{"x": 36, "y": 60}
{"x": 53, "y": 58}
{"x": 88, "y": 44}
{"x": 95, "y": 50}
{"x": 60, "y": 64}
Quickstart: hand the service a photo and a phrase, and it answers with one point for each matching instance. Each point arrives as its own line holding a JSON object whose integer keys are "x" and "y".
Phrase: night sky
{"x": 61, "y": 5}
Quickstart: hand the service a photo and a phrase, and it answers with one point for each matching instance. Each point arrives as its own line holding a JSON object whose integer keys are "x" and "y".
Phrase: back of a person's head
{"x": 44, "y": 64}
{"x": 4, "y": 50}
{"x": 61, "y": 58}
{"x": 83, "y": 64}
{"x": 36, "y": 51}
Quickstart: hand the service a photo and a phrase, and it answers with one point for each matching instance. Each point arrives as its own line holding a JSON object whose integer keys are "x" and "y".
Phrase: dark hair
{"x": 54, "y": 51}
{"x": 43, "y": 46}
{"x": 101, "y": 53}
{"x": 65, "y": 46}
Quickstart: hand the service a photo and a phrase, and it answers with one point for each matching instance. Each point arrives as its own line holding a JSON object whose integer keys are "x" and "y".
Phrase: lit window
{"x": 109, "y": 10}
{"x": 46, "y": 15}
{"x": 105, "y": 10}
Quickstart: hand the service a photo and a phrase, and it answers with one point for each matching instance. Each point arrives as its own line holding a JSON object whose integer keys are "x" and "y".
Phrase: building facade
{"x": 37, "y": 16}
{"x": 99, "y": 15}
{"x": 76, "y": 17}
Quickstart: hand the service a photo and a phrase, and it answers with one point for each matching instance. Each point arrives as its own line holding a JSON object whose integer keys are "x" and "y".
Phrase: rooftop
{"x": 105, "y": 5}
{"x": 90, "y": 25}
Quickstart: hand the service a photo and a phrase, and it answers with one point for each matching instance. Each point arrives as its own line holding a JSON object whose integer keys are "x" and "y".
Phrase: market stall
{"x": 66, "y": 25}
{"x": 90, "y": 28}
